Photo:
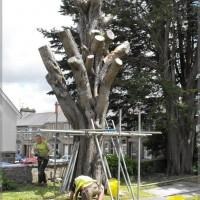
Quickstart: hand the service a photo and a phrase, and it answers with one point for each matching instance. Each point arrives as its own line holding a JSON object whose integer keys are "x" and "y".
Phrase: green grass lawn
{"x": 34, "y": 192}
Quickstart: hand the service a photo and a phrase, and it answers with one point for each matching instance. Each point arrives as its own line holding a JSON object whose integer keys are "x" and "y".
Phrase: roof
{"x": 39, "y": 119}
{"x": 61, "y": 118}
{"x": 3, "y": 95}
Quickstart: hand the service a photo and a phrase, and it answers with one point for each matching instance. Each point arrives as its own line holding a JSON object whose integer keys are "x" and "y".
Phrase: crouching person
{"x": 87, "y": 187}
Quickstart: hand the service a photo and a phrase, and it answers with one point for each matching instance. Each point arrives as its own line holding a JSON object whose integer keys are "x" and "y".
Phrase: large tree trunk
{"x": 180, "y": 113}
{"x": 181, "y": 133}
{"x": 94, "y": 70}
{"x": 180, "y": 140}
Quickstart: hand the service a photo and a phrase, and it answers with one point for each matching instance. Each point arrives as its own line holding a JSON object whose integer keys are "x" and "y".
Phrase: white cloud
{"x": 31, "y": 95}
{"x": 23, "y": 70}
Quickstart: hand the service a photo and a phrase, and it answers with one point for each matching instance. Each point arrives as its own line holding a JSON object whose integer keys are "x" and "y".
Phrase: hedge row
{"x": 146, "y": 167}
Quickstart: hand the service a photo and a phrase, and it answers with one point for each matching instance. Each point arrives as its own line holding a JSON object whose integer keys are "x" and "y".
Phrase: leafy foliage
{"x": 8, "y": 184}
{"x": 131, "y": 164}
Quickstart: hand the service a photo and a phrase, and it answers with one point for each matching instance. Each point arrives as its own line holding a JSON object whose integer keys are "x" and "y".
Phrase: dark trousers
{"x": 42, "y": 163}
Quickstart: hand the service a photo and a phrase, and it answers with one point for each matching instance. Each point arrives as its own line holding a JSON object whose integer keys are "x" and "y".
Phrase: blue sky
{"x": 23, "y": 72}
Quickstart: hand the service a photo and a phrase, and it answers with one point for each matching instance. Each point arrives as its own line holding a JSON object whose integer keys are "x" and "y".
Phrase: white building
{"x": 8, "y": 123}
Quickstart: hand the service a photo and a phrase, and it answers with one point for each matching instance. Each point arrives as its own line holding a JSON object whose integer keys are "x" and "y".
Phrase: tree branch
{"x": 106, "y": 20}
{"x": 89, "y": 65}
{"x": 56, "y": 80}
{"x": 97, "y": 44}
{"x": 104, "y": 91}
{"x": 119, "y": 52}
{"x": 80, "y": 76}
{"x": 85, "y": 99}
{"x": 109, "y": 37}
{"x": 55, "y": 77}
{"x": 69, "y": 44}
{"x": 94, "y": 12}
{"x": 81, "y": 5}
{"x": 97, "y": 50}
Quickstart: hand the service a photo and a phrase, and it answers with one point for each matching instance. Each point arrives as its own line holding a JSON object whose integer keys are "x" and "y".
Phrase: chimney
{"x": 57, "y": 107}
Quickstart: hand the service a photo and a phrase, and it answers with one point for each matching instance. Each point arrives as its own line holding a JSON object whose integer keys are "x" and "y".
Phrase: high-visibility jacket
{"x": 81, "y": 181}
{"x": 41, "y": 149}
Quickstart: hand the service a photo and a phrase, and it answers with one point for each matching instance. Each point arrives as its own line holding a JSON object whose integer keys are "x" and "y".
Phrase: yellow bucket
{"x": 113, "y": 186}
{"x": 176, "y": 198}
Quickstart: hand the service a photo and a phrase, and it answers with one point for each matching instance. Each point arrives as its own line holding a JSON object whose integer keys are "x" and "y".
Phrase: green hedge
{"x": 146, "y": 167}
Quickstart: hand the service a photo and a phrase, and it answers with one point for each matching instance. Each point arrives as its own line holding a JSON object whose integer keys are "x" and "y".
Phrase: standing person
{"x": 87, "y": 187}
{"x": 41, "y": 149}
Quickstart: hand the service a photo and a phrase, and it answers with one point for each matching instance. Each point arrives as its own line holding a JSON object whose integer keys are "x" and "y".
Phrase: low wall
{"x": 18, "y": 173}
{"x": 28, "y": 173}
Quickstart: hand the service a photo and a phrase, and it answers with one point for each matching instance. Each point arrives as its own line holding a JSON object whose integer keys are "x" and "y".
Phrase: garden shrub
{"x": 113, "y": 164}
{"x": 8, "y": 184}
{"x": 131, "y": 164}
{"x": 146, "y": 167}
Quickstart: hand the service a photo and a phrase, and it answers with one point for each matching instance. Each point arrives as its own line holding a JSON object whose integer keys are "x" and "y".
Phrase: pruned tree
{"x": 94, "y": 69}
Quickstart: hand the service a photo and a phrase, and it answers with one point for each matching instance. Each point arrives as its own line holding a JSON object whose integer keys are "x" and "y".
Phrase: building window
{"x": 67, "y": 126}
{"x": 27, "y": 135}
{"x": 18, "y": 133}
